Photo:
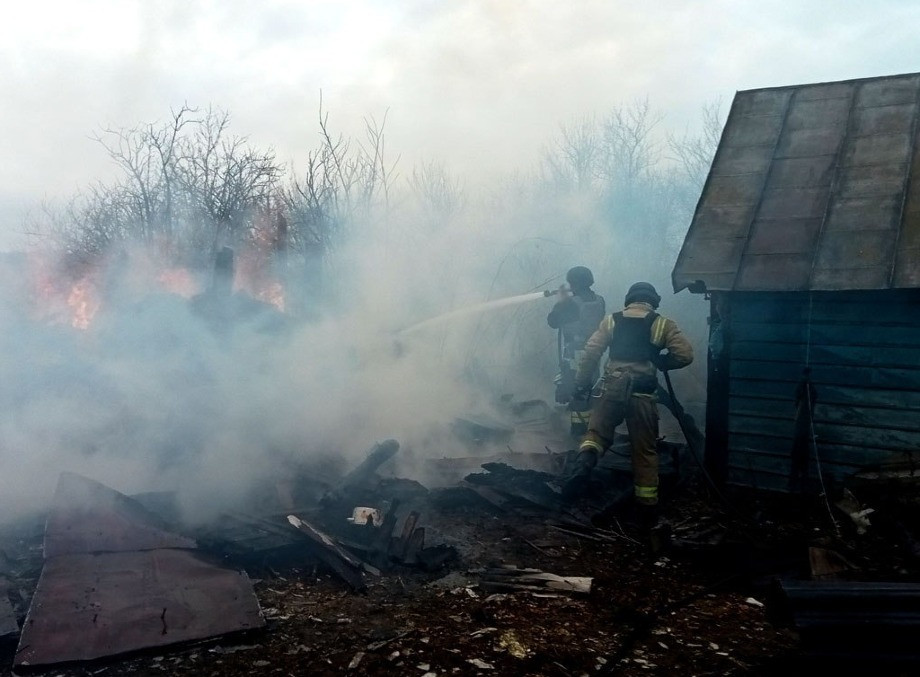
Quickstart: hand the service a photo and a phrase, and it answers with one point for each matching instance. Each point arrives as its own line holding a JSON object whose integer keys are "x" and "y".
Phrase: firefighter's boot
{"x": 575, "y": 477}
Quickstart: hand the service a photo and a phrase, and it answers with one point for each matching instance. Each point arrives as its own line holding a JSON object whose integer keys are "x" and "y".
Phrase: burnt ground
{"x": 697, "y": 603}
{"x": 694, "y": 608}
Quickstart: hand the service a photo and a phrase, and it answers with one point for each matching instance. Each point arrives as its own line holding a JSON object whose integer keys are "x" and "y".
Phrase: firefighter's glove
{"x": 581, "y": 393}
{"x": 661, "y": 361}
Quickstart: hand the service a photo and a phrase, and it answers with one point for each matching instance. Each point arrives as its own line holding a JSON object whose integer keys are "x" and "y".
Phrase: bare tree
{"x": 630, "y": 150}
{"x": 573, "y": 163}
{"x": 694, "y": 152}
{"x": 225, "y": 180}
{"x": 439, "y": 193}
{"x": 345, "y": 184}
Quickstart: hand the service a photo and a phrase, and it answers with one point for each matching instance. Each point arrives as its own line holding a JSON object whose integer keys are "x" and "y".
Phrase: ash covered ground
{"x": 697, "y": 601}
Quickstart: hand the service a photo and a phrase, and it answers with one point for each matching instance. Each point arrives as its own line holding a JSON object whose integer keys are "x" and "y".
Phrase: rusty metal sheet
{"x": 884, "y": 181}
{"x": 808, "y": 172}
{"x": 794, "y": 203}
{"x": 784, "y": 236}
{"x": 87, "y": 516}
{"x": 888, "y": 91}
{"x": 878, "y": 149}
{"x": 907, "y": 273}
{"x": 89, "y": 606}
{"x": 855, "y": 249}
{"x": 788, "y": 272}
{"x": 841, "y": 188}
{"x": 761, "y": 102}
{"x": 817, "y": 113}
{"x": 825, "y": 90}
{"x": 735, "y": 190}
{"x": 884, "y": 120}
{"x": 811, "y": 142}
{"x": 746, "y": 160}
{"x": 761, "y": 130}
{"x": 862, "y": 213}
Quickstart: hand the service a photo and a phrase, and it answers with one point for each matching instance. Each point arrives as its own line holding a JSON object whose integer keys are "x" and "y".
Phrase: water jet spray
{"x": 479, "y": 308}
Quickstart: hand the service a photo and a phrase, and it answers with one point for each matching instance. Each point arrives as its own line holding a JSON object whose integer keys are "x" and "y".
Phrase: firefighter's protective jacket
{"x": 664, "y": 334}
{"x": 577, "y": 316}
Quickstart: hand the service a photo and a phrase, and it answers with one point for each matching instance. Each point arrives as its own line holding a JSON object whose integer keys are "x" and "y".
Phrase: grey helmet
{"x": 642, "y": 291}
{"x": 579, "y": 277}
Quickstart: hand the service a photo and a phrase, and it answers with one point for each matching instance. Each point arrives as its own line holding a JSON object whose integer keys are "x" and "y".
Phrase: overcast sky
{"x": 479, "y": 85}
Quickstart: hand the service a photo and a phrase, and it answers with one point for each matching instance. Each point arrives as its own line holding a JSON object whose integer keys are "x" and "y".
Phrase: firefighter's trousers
{"x": 640, "y": 410}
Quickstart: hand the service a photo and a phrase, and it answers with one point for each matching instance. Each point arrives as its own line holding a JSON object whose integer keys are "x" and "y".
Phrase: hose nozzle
{"x": 552, "y": 292}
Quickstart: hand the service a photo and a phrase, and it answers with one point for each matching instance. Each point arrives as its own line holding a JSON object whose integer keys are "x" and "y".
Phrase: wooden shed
{"x": 806, "y": 239}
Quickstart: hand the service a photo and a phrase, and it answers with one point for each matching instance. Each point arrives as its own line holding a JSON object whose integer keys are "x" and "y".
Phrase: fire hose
{"x": 679, "y": 414}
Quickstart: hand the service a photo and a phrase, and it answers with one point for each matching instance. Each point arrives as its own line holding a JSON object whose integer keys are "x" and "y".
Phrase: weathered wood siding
{"x": 863, "y": 349}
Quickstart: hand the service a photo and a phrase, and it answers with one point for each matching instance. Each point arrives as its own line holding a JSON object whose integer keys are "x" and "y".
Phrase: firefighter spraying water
{"x": 477, "y": 308}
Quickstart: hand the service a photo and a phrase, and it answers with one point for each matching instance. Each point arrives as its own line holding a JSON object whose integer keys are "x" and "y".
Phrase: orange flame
{"x": 272, "y": 293}
{"x": 178, "y": 281}
{"x": 83, "y": 303}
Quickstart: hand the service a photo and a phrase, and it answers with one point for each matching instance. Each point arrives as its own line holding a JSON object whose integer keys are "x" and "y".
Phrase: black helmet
{"x": 579, "y": 277}
{"x": 642, "y": 291}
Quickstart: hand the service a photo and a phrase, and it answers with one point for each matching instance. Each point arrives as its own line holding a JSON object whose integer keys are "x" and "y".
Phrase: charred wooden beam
{"x": 504, "y": 579}
{"x": 379, "y": 454}
{"x": 400, "y": 549}
{"x": 859, "y": 619}
{"x": 346, "y": 566}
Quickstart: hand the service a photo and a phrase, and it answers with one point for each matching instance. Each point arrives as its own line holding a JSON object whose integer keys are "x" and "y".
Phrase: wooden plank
{"x": 867, "y": 417}
{"x": 856, "y": 356}
{"x": 828, "y": 433}
{"x": 764, "y": 407}
{"x": 853, "y": 305}
{"x": 827, "y": 413}
{"x": 845, "y": 456}
{"x": 841, "y": 334}
{"x": 500, "y": 579}
{"x": 762, "y": 481}
{"x": 783, "y": 390}
{"x": 887, "y": 378}
{"x": 764, "y": 427}
{"x": 794, "y": 308}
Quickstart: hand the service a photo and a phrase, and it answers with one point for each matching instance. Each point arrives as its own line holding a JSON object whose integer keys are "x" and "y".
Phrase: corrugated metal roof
{"x": 812, "y": 187}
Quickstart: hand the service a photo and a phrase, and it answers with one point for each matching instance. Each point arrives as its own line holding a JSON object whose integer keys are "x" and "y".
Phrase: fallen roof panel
{"x": 89, "y": 606}
{"x": 87, "y": 516}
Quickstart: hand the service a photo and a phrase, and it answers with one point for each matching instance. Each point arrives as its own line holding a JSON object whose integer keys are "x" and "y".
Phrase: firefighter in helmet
{"x": 635, "y": 338}
{"x": 575, "y": 316}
